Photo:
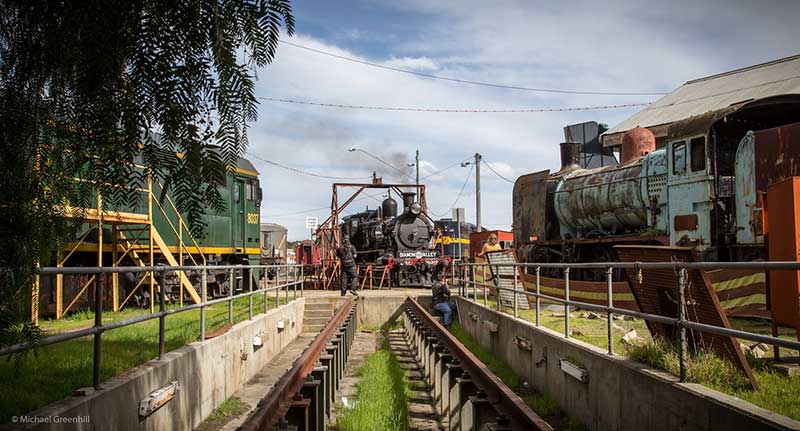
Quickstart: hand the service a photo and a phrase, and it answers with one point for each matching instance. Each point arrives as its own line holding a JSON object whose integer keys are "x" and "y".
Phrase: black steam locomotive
{"x": 402, "y": 246}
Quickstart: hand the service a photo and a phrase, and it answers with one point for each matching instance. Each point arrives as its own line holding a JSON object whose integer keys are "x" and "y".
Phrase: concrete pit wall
{"x": 618, "y": 394}
{"x": 375, "y": 311}
{"x": 208, "y": 372}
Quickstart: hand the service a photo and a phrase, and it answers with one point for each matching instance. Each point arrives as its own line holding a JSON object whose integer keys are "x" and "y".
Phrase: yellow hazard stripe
{"x": 447, "y": 240}
{"x": 759, "y": 298}
{"x": 758, "y": 277}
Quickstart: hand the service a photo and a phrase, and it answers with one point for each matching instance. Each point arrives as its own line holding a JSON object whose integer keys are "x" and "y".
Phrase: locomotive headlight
{"x": 416, "y": 208}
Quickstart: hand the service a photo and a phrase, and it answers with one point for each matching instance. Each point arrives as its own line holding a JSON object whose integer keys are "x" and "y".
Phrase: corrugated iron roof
{"x": 699, "y": 96}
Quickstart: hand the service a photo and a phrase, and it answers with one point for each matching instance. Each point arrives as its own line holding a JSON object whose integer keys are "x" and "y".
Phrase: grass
{"x": 382, "y": 396}
{"x": 543, "y": 404}
{"x": 776, "y": 392}
{"x": 229, "y": 409}
{"x": 54, "y": 372}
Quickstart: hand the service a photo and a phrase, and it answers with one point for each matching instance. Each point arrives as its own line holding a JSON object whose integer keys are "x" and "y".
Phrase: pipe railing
{"x": 681, "y": 322}
{"x": 293, "y": 271}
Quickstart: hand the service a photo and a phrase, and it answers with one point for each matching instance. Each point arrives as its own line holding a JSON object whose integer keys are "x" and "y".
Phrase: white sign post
{"x": 311, "y": 224}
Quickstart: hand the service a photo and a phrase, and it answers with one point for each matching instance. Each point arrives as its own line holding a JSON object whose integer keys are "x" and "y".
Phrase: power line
{"x": 466, "y": 81}
{"x": 463, "y": 186}
{"x": 382, "y": 161}
{"x": 442, "y": 170}
{"x": 306, "y": 211}
{"x": 453, "y": 110}
{"x": 300, "y": 171}
{"x": 495, "y": 172}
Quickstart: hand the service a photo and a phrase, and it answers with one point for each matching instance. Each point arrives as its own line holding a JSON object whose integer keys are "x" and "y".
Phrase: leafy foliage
{"x": 86, "y": 88}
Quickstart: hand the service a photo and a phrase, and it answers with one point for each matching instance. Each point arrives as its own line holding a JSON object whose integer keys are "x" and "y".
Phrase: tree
{"x": 85, "y": 86}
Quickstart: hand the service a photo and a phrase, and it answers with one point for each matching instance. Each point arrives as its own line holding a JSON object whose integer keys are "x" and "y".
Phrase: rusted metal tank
{"x": 613, "y": 199}
{"x": 636, "y": 143}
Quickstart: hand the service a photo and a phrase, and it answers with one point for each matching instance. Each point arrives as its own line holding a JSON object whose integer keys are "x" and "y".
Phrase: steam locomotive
{"x": 403, "y": 244}
{"x": 701, "y": 187}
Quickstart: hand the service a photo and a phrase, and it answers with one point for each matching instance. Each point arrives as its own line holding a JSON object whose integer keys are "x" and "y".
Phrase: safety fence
{"x": 293, "y": 279}
{"x": 467, "y": 275}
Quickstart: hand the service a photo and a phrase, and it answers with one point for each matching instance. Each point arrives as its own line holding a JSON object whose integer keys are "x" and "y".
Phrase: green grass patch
{"x": 382, "y": 396}
{"x": 544, "y": 405}
{"x": 229, "y": 409}
{"x": 55, "y": 371}
{"x": 776, "y": 392}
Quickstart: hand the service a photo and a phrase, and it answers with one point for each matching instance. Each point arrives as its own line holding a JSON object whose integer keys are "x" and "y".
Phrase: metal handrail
{"x": 680, "y": 322}
{"x": 99, "y": 327}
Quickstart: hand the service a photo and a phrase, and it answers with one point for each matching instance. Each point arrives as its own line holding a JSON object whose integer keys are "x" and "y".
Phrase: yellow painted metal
{"x": 35, "y": 300}
{"x": 60, "y": 286}
{"x": 151, "y": 230}
{"x": 114, "y": 262}
{"x": 162, "y": 246}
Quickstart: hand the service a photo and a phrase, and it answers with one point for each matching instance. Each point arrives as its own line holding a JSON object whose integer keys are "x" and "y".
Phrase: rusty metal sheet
{"x": 777, "y": 155}
{"x": 685, "y": 222}
{"x": 658, "y": 292}
{"x": 528, "y": 203}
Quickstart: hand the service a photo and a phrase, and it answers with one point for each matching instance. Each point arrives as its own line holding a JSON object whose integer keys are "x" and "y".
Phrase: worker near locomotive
{"x": 349, "y": 271}
{"x": 392, "y": 249}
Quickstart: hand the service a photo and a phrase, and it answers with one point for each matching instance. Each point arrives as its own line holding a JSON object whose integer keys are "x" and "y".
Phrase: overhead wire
{"x": 327, "y": 207}
{"x": 488, "y": 165}
{"x": 442, "y": 170}
{"x": 301, "y": 171}
{"x": 384, "y": 162}
{"x": 463, "y": 186}
{"x": 452, "y": 110}
{"x": 471, "y": 82}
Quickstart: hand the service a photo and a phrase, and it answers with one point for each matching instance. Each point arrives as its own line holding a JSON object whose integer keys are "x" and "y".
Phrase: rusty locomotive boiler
{"x": 701, "y": 190}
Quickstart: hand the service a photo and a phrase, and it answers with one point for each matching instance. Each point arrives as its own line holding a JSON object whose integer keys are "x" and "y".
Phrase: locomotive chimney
{"x": 408, "y": 199}
{"x": 636, "y": 143}
{"x": 570, "y": 156}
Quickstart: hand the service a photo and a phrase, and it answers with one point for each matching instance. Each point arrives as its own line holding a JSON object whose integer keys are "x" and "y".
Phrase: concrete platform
{"x": 376, "y": 308}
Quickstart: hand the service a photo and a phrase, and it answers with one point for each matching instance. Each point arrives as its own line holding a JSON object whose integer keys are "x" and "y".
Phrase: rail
{"x": 681, "y": 322}
{"x": 283, "y": 394}
{"x": 497, "y": 393}
{"x": 295, "y": 271}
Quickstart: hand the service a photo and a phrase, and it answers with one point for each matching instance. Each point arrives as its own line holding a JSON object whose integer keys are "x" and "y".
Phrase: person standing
{"x": 441, "y": 301}
{"x": 491, "y": 245}
{"x": 349, "y": 271}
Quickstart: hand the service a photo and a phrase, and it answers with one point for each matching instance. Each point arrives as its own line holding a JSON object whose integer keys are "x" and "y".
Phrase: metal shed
{"x": 712, "y": 97}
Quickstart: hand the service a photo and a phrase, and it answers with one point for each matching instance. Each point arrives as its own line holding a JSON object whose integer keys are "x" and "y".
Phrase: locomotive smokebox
{"x": 389, "y": 207}
{"x": 636, "y": 143}
{"x": 570, "y": 156}
{"x": 408, "y": 199}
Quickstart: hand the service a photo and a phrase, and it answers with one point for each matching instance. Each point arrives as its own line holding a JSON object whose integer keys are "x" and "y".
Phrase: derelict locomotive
{"x": 404, "y": 243}
{"x": 701, "y": 187}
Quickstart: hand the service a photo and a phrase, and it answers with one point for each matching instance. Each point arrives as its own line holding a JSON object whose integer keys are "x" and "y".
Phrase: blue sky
{"x": 601, "y": 46}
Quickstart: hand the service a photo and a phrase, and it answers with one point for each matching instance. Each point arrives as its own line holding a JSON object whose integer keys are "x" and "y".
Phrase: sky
{"x": 611, "y": 46}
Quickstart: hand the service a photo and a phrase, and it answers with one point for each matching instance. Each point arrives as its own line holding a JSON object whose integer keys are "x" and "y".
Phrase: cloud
{"x": 419, "y": 63}
{"x": 588, "y": 46}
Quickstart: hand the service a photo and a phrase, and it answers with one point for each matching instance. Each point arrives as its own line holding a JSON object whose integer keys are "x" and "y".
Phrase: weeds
{"x": 382, "y": 396}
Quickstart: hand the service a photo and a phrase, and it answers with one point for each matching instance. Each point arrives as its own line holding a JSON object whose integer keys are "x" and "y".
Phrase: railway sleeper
{"x": 458, "y": 398}
{"x": 310, "y": 407}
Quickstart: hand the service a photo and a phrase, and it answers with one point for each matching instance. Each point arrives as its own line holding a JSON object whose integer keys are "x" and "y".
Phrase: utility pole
{"x": 419, "y": 198}
{"x": 478, "y": 192}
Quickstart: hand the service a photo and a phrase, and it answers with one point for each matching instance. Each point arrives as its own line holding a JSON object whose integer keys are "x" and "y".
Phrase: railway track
{"x": 303, "y": 398}
{"x": 466, "y": 393}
